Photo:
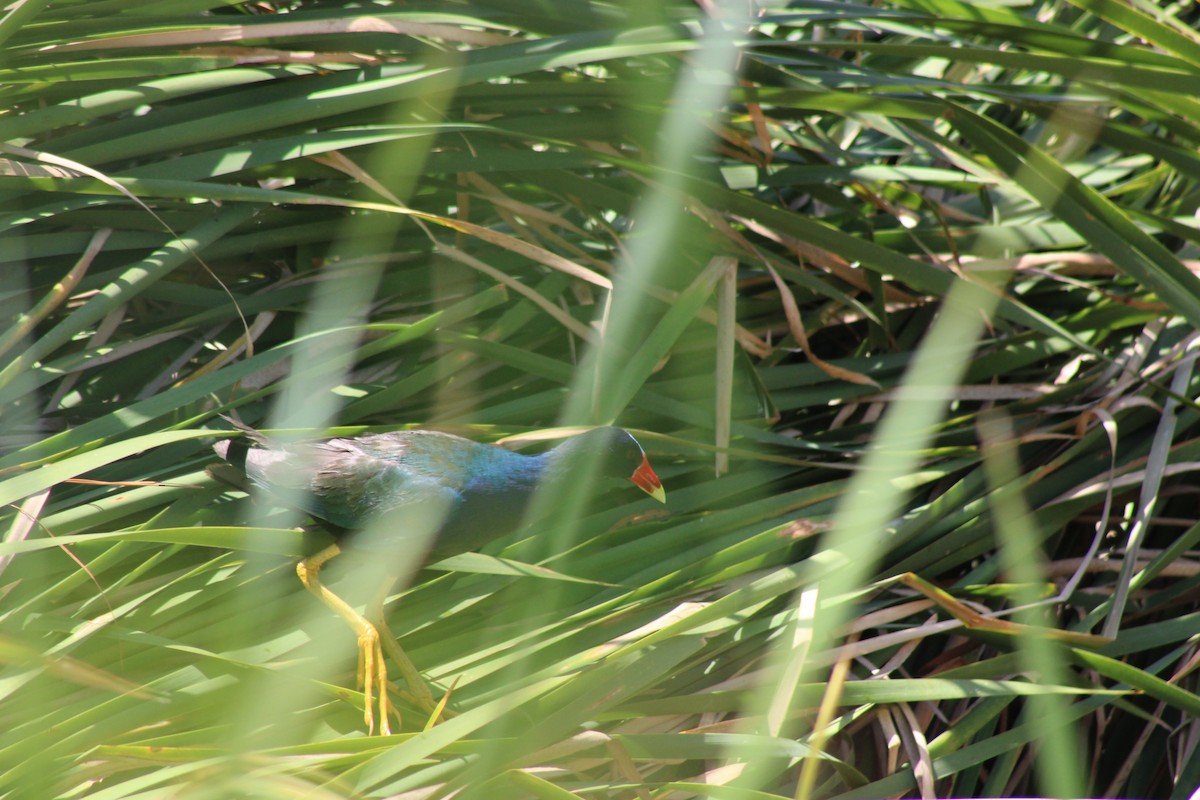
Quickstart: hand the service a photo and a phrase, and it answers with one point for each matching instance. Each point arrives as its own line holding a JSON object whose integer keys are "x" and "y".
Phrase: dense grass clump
{"x": 901, "y": 299}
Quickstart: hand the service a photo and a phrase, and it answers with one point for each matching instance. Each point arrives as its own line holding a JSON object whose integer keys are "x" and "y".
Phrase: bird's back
{"x": 400, "y": 481}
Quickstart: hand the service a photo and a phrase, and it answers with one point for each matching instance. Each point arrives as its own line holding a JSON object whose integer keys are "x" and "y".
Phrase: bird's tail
{"x": 235, "y": 450}
{"x": 258, "y": 437}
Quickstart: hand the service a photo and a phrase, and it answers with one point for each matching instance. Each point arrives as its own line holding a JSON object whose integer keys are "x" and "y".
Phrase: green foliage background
{"x": 904, "y": 287}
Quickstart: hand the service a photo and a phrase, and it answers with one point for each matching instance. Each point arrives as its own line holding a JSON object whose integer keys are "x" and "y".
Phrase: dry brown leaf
{"x": 796, "y": 326}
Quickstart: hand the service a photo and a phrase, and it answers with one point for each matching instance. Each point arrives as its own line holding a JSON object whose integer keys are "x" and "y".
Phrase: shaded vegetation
{"x": 884, "y": 289}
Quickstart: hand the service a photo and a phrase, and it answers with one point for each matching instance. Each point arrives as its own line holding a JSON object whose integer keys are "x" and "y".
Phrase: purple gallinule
{"x": 427, "y": 494}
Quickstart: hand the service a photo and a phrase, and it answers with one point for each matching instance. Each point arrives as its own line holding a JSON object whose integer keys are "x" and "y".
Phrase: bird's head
{"x": 618, "y": 455}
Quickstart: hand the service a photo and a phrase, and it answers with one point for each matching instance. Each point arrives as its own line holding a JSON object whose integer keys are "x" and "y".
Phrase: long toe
{"x": 373, "y": 674}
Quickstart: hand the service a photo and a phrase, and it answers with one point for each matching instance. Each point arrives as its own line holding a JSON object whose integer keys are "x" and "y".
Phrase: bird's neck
{"x": 521, "y": 474}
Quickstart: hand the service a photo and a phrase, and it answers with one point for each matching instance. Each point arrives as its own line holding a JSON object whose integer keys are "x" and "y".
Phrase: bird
{"x": 425, "y": 495}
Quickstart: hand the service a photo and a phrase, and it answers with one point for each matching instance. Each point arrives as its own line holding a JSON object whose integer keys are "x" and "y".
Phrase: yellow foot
{"x": 372, "y": 671}
{"x": 372, "y": 677}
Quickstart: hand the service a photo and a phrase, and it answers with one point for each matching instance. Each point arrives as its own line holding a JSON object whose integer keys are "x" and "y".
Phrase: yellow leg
{"x": 418, "y": 691}
{"x": 372, "y": 671}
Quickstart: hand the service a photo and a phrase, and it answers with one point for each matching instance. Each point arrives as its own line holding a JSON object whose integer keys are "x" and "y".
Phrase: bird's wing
{"x": 350, "y": 482}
